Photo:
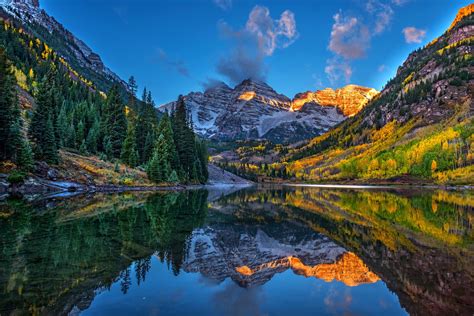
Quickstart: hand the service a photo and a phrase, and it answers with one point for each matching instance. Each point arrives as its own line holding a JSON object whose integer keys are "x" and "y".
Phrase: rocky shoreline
{"x": 34, "y": 185}
{"x": 47, "y": 185}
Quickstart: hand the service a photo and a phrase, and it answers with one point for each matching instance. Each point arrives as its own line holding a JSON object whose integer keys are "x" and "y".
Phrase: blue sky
{"x": 176, "y": 46}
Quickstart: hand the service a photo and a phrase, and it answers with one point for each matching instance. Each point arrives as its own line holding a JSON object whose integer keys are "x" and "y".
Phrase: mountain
{"x": 420, "y": 125}
{"x": 349, "y": 100}
{"x": 253, "y": 110}
{"x": 28, "y": 15}
{"x": 252, "y": 256}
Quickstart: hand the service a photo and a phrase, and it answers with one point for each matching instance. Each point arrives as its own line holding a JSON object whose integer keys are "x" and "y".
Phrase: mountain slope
{"x": 420, "y": 125}
{"x": 27, "y": 15}
{"x": 253, "y": 110}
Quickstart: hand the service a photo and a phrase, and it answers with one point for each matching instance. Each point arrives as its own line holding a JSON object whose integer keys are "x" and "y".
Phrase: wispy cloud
{"x": 337, "y": 69}
{"x": 414, "y": 35}
{"x": 177, "y": 65}
{"x": 399, "y": 2}
{"x": 382, "y": 68}
{"x": 223, "y": 4}
{"x": 351, "y": 36}
{"x": 382, "y": 12}
{"x": 122, "y": 13}
{"x": 260, "y": 37}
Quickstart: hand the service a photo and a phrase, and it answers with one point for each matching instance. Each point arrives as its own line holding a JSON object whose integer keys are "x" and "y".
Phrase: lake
{"x": 228, "y": 251}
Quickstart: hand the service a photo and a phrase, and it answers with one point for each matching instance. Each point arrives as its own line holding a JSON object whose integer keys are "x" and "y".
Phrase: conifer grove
{"x": 69, "y": 113}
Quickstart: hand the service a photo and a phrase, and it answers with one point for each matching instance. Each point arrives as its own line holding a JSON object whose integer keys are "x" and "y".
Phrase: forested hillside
{"x": 47, "y": 108}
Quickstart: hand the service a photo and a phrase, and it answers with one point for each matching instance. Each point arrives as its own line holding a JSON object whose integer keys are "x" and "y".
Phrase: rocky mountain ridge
{"x": 77, "y": 53}
{"x": 349, "y": 99}
{"x": 253, "y": 110}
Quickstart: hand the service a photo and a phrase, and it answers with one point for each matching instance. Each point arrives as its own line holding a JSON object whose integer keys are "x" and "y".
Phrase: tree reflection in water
{"x": 57, "y": 255}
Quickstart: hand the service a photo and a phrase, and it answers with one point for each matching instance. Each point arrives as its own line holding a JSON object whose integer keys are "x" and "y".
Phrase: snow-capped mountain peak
{"x": 254, "y": 110}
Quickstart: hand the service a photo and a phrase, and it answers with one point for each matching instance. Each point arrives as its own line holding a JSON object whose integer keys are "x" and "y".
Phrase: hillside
{"x": 28, "y": 15}
{"x": 55, "y": 117}
{"x": 418, "y": 129}
{"x": 420, "y": 125}
{"x": 253, "y": 110}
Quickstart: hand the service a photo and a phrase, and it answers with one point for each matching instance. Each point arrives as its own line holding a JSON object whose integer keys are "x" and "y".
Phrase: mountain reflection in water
{"x": 254, "y": 251}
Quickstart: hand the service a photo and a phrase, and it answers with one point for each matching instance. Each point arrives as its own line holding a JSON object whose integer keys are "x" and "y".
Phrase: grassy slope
{"x": 79, "y": 168}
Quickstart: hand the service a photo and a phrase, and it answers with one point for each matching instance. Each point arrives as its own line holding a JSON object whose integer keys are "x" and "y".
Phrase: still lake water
{"x": 255, "y": 251}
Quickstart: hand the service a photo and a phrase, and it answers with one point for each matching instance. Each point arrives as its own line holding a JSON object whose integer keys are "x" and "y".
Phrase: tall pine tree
{"x": 9, "y": 114}
{"x": 185, "y": 140}
{"x": 114, "y": 123}
{"x": 45, "y": 147}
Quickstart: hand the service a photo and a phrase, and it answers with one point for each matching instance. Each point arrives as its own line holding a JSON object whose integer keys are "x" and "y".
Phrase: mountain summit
{"x": 349, "y": 99}
{"x": 254, "y": 110}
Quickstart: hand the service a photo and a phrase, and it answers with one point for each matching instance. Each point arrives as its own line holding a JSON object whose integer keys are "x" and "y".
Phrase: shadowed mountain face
{"x": 142, "y": 250}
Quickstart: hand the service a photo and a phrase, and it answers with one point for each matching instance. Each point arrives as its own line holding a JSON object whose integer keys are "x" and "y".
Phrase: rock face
{"x": 72, "y": 49}
{"x": 218, "y": 176}
{"x": 349, "y": 99}
{"x": 251, "y": 257}
{"x": 463, "y": 12}
{"x": 253, "y": 110}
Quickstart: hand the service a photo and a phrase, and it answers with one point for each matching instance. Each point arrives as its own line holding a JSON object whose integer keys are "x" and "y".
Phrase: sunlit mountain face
{"x": 278, "y": 249}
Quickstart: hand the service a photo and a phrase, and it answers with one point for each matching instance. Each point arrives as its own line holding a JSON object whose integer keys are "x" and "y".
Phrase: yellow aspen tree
{"x": 434, "y": 165}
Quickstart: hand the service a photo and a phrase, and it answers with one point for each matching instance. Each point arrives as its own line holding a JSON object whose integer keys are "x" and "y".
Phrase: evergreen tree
{"x": 147, "y": 152}
{"x": 49, "y": 149}
{"x": 25, "y": 156}
{"x": 165, "y": 129}
{"x": 132, "y": 88}
{"x": 159, "y": 168}
{"x": 114, "y": 123}
{"x": 15, "y": 140}
{"x": 44, "y": 112}
{"x": 9, "y": 114}
{"x": 192, "y": 158}
{"x": 129, "y": 150}
{"x": 62, "y": 126}
{"x": 145, "y": 124}
{"x": 154, "y": 169}
{"x": 93, "y": 137}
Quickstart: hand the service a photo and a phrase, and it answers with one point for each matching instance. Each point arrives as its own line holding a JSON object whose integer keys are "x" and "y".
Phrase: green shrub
{"x": 16, "y": 177}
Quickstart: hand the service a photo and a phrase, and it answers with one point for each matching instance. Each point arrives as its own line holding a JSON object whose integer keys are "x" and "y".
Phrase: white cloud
{"x": 349, "y": 37}
{"x": 382, "y": 68}
{"x": 414, "y": 35}
{"x": 258, "y": 39}
{"x": 337, "y": 69}
{"x": 271, "y": 33}
{"x": 383, "y": 15}
{"x": 223, "y": 4}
